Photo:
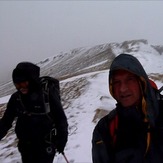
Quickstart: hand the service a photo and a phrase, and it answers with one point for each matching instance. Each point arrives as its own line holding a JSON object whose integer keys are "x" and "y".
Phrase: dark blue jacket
{"x": 32, "y": 124}
{"x": 131, "y": 138}
{"x": 131, "y": 132}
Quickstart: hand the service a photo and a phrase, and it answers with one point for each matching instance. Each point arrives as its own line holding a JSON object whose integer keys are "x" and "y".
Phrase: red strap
{"x": 112, "y": 128}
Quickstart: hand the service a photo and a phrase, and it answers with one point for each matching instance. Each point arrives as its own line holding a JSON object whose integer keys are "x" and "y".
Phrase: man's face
{"x": 126, "y": 88}
{"x": 22, "y": 87}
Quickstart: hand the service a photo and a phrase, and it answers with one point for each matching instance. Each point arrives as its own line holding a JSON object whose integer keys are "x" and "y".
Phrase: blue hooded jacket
{"x": 132, "y": 131}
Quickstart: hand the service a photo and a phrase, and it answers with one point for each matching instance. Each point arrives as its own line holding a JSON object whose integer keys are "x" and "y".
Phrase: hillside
{"x": 90, "y": 59}
{"x": 83, "y": 73}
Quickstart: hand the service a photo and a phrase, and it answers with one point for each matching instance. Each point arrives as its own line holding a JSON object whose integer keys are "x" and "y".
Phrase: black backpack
{"x": 46, "y": 83}
{"x": 157, "y": 92}
{"x": 159, "y": 97}
{"x": 45, "y": 117}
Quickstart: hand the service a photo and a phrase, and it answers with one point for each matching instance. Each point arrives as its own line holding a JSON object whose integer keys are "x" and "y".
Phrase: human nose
{"x": 123, "y": 87}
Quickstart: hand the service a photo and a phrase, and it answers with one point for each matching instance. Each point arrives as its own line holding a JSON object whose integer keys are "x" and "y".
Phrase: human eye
{"x": 116, "y": 82}
{"x": 132, "y": 79}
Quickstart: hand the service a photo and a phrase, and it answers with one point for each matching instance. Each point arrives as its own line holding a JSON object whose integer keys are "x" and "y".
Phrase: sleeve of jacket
{"x": 99, "y": 147}
{"x": 60, "y": 120}
{"x": 8, "y": 118}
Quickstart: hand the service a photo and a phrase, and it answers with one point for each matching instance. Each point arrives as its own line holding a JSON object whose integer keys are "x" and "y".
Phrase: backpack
{"x": 156, "y": 90}
{"x": 158, "y": 94}
{"x": 160, "y": 103}
{"x": 47, "y": 82}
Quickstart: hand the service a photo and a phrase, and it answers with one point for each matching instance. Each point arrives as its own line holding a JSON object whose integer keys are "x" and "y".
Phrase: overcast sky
{"x": 35, "y": 30}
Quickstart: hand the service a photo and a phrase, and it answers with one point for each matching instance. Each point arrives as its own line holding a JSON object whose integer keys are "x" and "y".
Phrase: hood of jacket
{"x": 25, "y": 71}
{"x": 131, "y": 64}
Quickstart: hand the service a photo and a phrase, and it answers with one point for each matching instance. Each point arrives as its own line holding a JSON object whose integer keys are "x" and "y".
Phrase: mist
{"x": 35, "y": 30}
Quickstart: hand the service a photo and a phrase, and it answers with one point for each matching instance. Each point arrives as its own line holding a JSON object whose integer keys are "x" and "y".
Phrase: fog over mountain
{"x": 89, "y": 59}
{"x": 83, "y": 75}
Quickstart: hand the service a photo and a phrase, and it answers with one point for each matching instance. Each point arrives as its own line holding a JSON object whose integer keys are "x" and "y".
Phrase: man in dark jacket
{"x": 133, "y": 131}
{"x": 40, "y": 131}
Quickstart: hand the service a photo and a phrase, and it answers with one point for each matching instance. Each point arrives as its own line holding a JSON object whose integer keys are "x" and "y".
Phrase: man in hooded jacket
{"x": 133, "y": 131}
{"x": 34, "y": 125}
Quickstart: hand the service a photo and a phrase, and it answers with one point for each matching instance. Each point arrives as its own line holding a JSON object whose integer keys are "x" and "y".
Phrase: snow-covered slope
{"x": 90, "y": 59}
{"x": 85, "y": 92}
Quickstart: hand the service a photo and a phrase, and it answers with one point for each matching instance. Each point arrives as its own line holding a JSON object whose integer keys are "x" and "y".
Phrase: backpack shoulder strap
{"x": 45, "y": 89}
{"x": 113, "y": 125}
{"x": 50, "y": 80}
{"x": 107, "y": 127}
{"x": 47, "y": 83}
{"x": 160, "y": 95}
{"x": 161, "y": 89}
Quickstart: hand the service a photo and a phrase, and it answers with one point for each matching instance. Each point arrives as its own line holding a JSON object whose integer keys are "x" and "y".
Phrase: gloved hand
{"x": 60, "y": 145}
{"x": 61, "y": 139}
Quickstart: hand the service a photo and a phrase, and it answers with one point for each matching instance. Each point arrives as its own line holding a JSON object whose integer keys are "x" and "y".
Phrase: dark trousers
{"x": 34, "y": 152}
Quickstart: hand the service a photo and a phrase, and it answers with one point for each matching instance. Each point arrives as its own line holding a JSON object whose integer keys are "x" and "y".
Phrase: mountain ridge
{"x": 85, "y": 93}
{"x": 86, "y": 59}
